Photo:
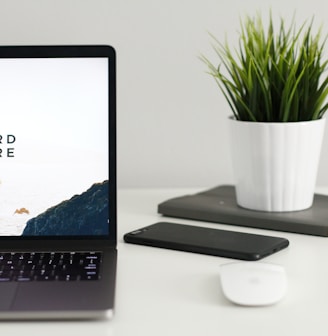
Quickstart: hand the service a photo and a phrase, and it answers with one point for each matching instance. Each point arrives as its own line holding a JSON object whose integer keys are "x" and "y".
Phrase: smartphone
{"x": 222, "y": 243}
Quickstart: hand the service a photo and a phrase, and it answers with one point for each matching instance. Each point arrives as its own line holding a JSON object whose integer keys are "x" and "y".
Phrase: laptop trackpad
{"x": 7, "y": 294}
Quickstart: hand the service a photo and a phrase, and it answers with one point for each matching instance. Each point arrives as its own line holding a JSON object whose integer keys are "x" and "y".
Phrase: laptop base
{"x": 58, "y": 315}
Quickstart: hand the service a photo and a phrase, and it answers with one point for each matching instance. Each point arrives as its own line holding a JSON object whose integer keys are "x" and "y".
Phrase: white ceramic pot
{"x": 275, "y": 164}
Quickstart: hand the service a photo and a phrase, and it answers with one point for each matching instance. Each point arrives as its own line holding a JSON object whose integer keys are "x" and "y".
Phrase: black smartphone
{"x": 222, "y": 243}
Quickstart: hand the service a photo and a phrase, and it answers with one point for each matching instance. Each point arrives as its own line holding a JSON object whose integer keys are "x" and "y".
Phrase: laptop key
{"x": 49, "y": 266}
{"x": 5, "y": 279}
{"x": 89, "y": 277}
{"x": 23, "y": 279}
{"x": 44, "y": 278}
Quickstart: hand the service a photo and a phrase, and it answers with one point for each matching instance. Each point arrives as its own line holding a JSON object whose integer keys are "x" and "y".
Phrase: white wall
{"x": 172, "y": 128}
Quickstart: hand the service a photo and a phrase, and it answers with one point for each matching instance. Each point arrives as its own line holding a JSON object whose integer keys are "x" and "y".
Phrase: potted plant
{"x": 275, "y": 87}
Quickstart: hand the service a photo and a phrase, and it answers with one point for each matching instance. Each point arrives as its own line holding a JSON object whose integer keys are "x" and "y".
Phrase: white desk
{"x": 162, "y": 292}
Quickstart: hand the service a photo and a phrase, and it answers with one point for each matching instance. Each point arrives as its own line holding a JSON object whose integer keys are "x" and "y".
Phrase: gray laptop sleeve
{"x": 219, "y": 205}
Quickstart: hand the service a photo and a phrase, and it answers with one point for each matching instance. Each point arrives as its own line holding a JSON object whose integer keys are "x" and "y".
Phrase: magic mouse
{"x": 253, "y": 283}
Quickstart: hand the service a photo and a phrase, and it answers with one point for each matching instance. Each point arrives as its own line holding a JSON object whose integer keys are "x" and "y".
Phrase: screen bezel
{"x": 76, "y": 51}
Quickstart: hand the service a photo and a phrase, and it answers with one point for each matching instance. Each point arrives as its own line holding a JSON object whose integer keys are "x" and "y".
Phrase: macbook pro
{"x": 58, "y": 181}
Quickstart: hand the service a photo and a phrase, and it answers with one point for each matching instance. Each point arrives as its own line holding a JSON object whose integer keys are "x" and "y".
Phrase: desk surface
{"x": 163, "y": 292}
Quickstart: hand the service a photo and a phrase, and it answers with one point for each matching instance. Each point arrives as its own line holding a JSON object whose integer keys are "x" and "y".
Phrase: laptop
{"x": 58, "y": 182}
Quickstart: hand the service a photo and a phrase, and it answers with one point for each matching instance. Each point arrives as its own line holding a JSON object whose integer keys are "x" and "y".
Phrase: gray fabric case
{"x": 219, "y": 205}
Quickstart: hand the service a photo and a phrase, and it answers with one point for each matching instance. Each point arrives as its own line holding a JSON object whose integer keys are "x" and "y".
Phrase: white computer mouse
{"x": 253, "y": 283}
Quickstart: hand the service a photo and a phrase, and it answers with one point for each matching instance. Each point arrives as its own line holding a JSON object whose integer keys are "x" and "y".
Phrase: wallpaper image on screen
{"x": 54, "y": 146}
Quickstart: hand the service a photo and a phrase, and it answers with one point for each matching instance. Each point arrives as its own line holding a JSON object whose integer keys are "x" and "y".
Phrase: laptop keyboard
{"x": 49, "y": 266}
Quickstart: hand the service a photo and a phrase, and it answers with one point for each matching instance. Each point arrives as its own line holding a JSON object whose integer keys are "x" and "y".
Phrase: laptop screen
{"x": 54, "y": 143}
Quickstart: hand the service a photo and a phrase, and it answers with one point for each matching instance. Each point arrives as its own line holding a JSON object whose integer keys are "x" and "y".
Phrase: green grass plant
{"x": 273, "y": 76}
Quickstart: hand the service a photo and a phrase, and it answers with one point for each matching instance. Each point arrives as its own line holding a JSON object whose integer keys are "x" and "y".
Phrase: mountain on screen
{"x": 84, "y": 214}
